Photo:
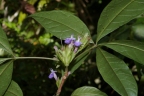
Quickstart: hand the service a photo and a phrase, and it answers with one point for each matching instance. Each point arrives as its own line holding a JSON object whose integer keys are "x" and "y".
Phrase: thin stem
{"x": 36, "y": 58}
{"x": 62, "y": 82}
{"x": 7, "y": 58}
{"x": 95, "y": 45}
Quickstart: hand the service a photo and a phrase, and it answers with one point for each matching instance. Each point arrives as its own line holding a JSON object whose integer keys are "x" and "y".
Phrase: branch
{"x": 55, "y": 59}
{"x": 62, "y": 82}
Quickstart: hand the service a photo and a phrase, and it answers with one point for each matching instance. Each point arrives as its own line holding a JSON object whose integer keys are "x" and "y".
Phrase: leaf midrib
{"x": 114, "y": 72}
{"x": 59, "y": 22}
{"x": 114, "y": 18}
{"x": 125, "y": 45}
{"x": 5, "y": 67}
{"x": 2, "y": 44}
{"x": 12, "y": 93}
{"x": 6, "y": 49}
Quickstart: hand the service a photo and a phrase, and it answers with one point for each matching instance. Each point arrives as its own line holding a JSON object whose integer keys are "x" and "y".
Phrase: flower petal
{"x": 51, "y": 75}
{"x": 67, "y": 41}
{"x": 77, "y": 43}
{"x": 55, "y": 76}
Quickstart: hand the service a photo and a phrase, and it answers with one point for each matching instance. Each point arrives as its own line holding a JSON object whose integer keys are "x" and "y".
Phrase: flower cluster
{"x": 67, "y": 53}
{"x": 73, "y": 41}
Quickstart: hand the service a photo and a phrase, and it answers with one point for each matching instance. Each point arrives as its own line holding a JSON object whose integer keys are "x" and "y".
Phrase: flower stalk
{"x": 62, "y": 81}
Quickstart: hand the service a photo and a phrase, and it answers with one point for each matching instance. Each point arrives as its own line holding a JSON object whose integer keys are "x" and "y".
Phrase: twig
{"x": 55, "y": 59}
{"x": 62, "y": 82}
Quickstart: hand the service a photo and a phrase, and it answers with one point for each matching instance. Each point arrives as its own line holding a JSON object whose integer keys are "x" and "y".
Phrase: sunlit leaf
{"x": 130, "y": 49}
{"x": 5, "y": 67}
{"x": 88, "y": 91}
{"x": 61, "y": 24}
{"x": 4, "y": 42}
{"x": 21, "y": 17}
{"x": 5, "y": 76}
{"x": 117, "y": 13}
{"x": 116, "y": 73}
{"x": 13, "y": 90}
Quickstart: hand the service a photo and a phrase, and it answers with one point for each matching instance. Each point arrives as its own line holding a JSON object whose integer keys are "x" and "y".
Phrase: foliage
{"x": 111, "y": 59}
{"x": 88, "y": 91}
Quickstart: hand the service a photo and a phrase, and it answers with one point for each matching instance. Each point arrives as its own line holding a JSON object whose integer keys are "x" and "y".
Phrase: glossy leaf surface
{"x": 14, "y": 90}
{"x": 116, "y": 73}
{"x": 6, "y": 67}
{"x": 61, "y": 24}
{"x": 4, "y": 42}
{"x": 5, "y": 76}
{"x": 88, "y": 91}
{"x": 118, "y": 13}
{"x": 131, "y": 49}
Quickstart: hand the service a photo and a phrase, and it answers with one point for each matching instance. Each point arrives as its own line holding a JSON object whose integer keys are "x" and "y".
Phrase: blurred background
{"x": 28, "y": 39}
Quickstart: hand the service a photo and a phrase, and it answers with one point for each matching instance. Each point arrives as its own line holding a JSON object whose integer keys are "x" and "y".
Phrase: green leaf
{"x": 118, "y": 13}
{"x": 131, "y": 49}
{"x": 14, "y": 90}
{"x": 88, "y": 91}
{"x": 4, "y": 42}
{"x": 5, "y": 76}
{"x": 116, "y": 73}
{"x": 61, "y": 24}
{"x": 2, "y": 60}
{"x": 6, "y": 68}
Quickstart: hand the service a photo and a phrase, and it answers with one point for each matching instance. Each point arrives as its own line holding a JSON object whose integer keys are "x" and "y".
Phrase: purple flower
{"x": 53, "y": 74}
{"x": 69, "y": 40}
{"x": 77, "y": 43}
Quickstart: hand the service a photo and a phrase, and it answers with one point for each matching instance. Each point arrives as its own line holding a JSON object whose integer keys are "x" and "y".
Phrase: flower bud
{"x": 67, "y": 53}
{"x": 77, "y": 43}
{"x": 85, "y": 41}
